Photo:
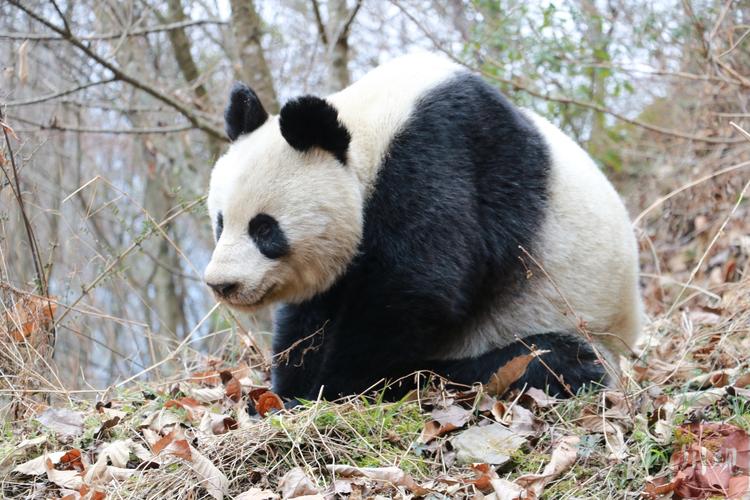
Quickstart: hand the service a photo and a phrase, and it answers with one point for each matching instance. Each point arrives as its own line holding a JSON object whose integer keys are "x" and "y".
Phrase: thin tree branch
{"x": 125, "y": 77}
{"x": 15, "y": 186}
{"x": 348, "y": 24}
{"x": 62, "y": 127}
{"x": 319, "y": 22}
{"x": 62, "y": 16}
{"x": 111, "y": 36}
{"x": 36, "y": 255}
{"x": 49, "y": 97}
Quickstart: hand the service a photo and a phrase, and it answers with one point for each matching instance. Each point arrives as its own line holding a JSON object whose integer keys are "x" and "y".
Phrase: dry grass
{"x": 693, "y": 359}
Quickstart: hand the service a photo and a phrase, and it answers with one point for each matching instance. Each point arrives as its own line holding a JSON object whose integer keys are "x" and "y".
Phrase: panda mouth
{"x": 256, "y": 301}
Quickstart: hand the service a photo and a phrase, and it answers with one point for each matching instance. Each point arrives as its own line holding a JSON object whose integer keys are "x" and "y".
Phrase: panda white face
{"x": 287, "y": 221}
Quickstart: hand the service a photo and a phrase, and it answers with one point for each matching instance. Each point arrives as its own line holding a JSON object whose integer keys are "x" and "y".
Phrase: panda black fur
{"x": 417, "y": 258}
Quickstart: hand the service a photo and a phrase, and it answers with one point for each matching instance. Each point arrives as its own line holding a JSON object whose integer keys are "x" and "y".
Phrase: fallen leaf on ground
{"x": 213, "y": 377}
{"x": 612, "y": 423}
{"x": 509, "y": 373}
{"x": 212, "y": 479}
{"x": 257, "y": 494}
{"x": 101, "y": 474}
{"x": 484, "y": 475}
{"x": 36, "y": 466}
{"x": 66, "y": 423}
{"x": 72, "y": 461}
{"x": 524, "y": 423}
{"x": 499, "y": 411}
{"x": 743, "y": 380}
{"x": 393, "y": 475}
{"x": 739, "y": 486}
{"x": 295, "y": 483}
{"x": 445, "y": 420}
{"x": 267, "y": 401}
{"x": 491, "y": 444}
{"x": 117, "y": 452}
{"x": 29, "y": 317}
{"x": 713, "y": 461}
{"x": 161, "y": 419}
{"x": 173, "y": 443}
{"x": 538, "y": 397}
{"x": 454, "y": 415}
{"x": 661, "y": 485}
{"x": 206, "y": 394}
{"x": 563, "y": 457}
{"x": 70, "y": 479}
{"x": 699, "y": 399}
{"x": 339, "y": 488}
{"x": 507, "y": 490}
{"x": 192, "y": 406}
{"x": 232, "y": 386}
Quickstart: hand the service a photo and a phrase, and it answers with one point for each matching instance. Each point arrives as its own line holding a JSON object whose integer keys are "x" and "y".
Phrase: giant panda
{"x": 417, "y": 220}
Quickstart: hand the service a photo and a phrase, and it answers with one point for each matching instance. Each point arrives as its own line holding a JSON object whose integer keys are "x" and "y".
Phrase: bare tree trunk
{"x": 251, "y": 66}
{"x": 181, "y": 46}
{"x": 189, "y": 69}
{"x": 338, "y": 16}
{"x": 335, "y": 37}
{"x": 599, "y": 42}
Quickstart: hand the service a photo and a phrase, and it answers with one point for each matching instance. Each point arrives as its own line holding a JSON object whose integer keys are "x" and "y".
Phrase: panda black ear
{"x": 244, "y": 113}
{"x": 310, "y": 121}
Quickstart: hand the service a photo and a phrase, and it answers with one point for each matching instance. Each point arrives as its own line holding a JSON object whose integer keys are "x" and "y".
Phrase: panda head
{"x": 285, "y": 208}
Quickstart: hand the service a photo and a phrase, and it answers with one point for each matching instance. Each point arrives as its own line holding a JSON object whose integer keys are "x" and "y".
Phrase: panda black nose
{"x": 223, "y": 289}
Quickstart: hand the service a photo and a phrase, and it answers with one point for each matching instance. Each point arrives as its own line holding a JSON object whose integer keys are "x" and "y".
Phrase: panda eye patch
{"x": 268, "y": 236}
{"x": 219, "y": 225}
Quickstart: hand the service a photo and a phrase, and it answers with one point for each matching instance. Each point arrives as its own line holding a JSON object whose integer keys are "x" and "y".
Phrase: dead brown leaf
{"x": 232, "y": 386}
{"x": 661, "y": 485}
{"x": 445, "y": 420}
{"x": 484, "y": 475}
{"x": 295, "y": 483}
{"x": 213, "y": 377}
{"x": 69, "y": 479}
{"x": 173, "y": 443}
{"x": 71, "y": 461}
{"x": 268, "y": 401}
{"x": 507, "y": 490}
{"x": 36, "y": 466}
{"x": 743, "y": 380}
{"x": 192, "y": 406}
{"x": 393, "y": 475}
{"x": 64, "y": 422}
{"x": 564, "y": 456}
{"x": 211, "y": 478}
{"x": 524, "y": 423}
{"x": 257, "y": 494}
{"x": 493, "y": 444}
{"x": 739, "y": 487}
{"x": 510, "y": 372}
{"x": 713, "y": 461}
{"x": 537, "y": 397}
{"x": 30, "y": 317}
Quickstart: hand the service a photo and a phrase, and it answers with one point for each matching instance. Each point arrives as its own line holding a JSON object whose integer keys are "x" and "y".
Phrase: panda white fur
{"x": 393, "y": 223}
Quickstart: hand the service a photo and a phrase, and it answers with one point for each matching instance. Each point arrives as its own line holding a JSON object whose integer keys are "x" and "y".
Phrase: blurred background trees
{"x": 113, "y": 115}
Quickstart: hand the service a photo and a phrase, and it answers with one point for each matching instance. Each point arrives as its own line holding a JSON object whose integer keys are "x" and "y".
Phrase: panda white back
{"x": 378, "y": 105}
{"x": 415, "y": 257}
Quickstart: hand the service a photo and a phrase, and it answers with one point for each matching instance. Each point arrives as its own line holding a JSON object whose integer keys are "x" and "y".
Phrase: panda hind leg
{"x": 570, "y": 360}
